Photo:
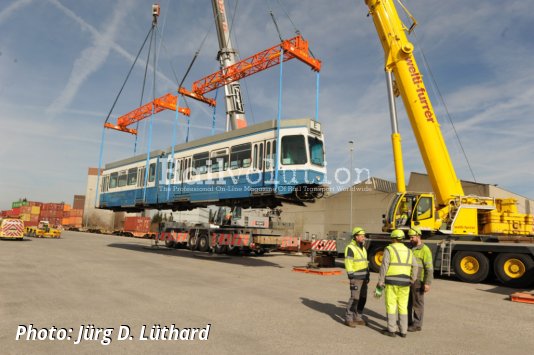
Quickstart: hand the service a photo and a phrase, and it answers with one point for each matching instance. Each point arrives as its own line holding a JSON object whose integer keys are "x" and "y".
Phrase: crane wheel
{"x": 375, "y": 258}
{"x": 471, "y": 266}
{"x": 203, "y": 244}
{"x": 192, "y": 242}
{"x": 514, "y": 270}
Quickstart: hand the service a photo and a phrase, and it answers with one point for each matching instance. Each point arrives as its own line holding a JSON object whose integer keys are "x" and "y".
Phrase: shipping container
{"x": 66, "y": 208}
{"x": 137, "y": 224}
{"x": 35, "y": 210}
{"x": 25, "y": 217}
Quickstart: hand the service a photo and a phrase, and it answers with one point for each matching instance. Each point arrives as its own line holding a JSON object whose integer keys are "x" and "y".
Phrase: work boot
{"x": 402, "y": 335}
{"x": 413, "y": 328}
{"x": 388, "y": 333}
{"x": 351, "y": 324}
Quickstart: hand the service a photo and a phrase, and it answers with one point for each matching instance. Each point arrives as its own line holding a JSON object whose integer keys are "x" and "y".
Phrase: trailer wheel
{"x": 220, "y": 249}
{"x": 169, "y": 243}
{"x": 203, "y": 244}
{"x": 260, "y": 251}
{"x": 471, "y": 266}
{"x": 514, "y": 270}
{"x": 192, "y": 242}
{"x": 375, "y": 258}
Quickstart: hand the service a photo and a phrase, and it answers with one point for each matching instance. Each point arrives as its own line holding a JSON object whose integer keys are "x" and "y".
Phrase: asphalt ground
{"x": 252, "y": 304}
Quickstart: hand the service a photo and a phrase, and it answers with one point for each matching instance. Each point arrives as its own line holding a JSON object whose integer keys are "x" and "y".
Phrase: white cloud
{"x": 10, "y": 9}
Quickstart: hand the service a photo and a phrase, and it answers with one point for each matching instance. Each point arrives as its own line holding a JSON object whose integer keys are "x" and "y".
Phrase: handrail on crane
{"x": 296, "y": 47}
{"x": 167, "y": 101}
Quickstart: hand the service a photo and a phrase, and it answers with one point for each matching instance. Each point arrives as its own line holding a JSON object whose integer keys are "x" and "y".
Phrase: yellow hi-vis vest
{"x": 400, "y": 265}
{"x": 357, "y": 264}
{"x": 423, "y": 255}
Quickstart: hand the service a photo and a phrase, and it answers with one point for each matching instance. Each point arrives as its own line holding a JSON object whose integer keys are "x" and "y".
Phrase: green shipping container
{"x": 18, "y": 204}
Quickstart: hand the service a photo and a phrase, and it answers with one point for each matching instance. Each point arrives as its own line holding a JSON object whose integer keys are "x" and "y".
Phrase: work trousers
{"x": 397, "y": 303}
{"x": 416, "y": 304}
{"x": 357, "y": 300}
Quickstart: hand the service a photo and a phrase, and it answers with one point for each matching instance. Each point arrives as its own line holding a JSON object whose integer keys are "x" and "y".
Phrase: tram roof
{"x": 260, "y": 127}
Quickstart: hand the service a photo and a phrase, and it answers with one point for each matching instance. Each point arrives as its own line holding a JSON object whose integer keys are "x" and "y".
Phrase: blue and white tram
{"x": 233, "y": 168}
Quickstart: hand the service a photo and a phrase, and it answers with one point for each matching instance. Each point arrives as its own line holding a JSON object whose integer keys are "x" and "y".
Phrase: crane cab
{"x": 409, "y": 209}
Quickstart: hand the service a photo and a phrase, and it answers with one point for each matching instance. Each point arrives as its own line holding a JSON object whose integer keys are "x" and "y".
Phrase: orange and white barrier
{"x": 324, "y": 245}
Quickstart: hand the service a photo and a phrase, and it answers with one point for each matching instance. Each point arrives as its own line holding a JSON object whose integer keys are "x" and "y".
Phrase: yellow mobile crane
{"x": 473, "y": 231}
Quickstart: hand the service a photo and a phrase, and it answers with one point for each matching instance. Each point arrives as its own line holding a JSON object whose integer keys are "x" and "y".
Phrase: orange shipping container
{"x": 65, "y": 221}
{"x": 66, "y": 208}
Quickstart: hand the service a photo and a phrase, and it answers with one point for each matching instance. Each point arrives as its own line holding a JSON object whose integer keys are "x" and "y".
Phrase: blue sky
{"x": 62, "y": 63}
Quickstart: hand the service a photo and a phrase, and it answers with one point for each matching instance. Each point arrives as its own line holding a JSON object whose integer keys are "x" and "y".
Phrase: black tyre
{"x": 375, "y": 258}
{"x": 471, "y": 266}
{"x": 514, "y": 270}
{"x": 260, "y": 251}
{"x": 192, "y": 242}
{"x": 220, "y": 249}
{"x": 169, "y": 243}
{"x": 203, "y": 243}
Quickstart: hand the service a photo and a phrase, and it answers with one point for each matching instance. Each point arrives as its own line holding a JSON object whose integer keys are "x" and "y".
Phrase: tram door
{"x": 258, "y": 151}
{"x": 268, "y": 161}
{"x": 140, "y": 184}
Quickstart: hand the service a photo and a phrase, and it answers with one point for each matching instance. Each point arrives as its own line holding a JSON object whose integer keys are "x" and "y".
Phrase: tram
{"x": 260, "y": 166}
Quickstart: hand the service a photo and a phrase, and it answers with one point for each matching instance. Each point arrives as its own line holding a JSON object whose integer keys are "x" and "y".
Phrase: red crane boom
{"x": 167, "y": 101}
{"x": 296, "y": 47}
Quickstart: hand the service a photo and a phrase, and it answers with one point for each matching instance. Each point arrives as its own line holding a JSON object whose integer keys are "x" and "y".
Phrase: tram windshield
{"x": 293, "y": 150}
{"x": 316, "y": 151}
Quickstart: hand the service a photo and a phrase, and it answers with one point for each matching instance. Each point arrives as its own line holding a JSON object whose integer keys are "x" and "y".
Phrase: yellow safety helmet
{"x": 397, "y": 234}
{"x": 357, "y": 230}
{"x": 414, "y": 231}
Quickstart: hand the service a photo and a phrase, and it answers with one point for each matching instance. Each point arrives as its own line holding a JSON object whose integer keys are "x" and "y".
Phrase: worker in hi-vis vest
{"x": 425, "y": 275}
{"x": 357, "y": 268}
{"x": 397, "y": 272}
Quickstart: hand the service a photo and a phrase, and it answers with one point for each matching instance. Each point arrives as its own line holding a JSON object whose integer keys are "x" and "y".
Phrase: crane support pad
{"x": 322, "y": 272}
{"x": 523, "y": 297}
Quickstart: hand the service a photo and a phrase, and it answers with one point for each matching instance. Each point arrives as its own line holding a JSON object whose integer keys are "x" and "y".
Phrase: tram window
{"x": 113, "y": 180}
{"x": 316, "y": 151}
{"x": 219, "y": 160}
{"x": 141, "y": 179}
{"x": 170, "y": 170}
{"x": 200, "y": 163}
{"x": 152, "y": 172}
{"x": 293, "y": 150}
{"x": 187, "y": 168}
{"x": 260, "y": 160}
{"x": 123, "y": 178}
{"x": 178, "y": 168}
{"x": 268, "y": 155}
{"x": 219, "y": 163}
{"x": 240, "y": 156}
{"x": 104, "y": 186}
{"x": 132, "y": 176}
{"x": 255, "y": 155}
